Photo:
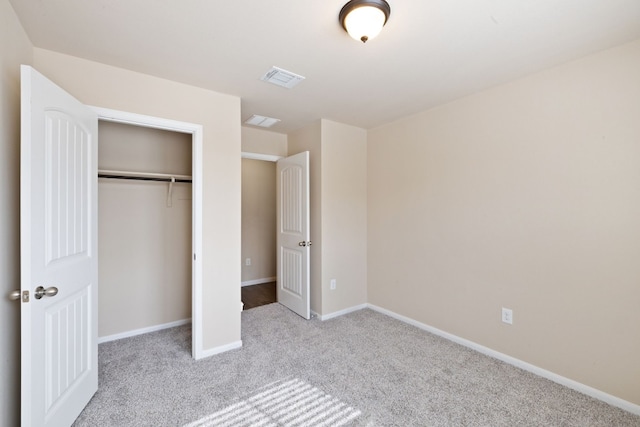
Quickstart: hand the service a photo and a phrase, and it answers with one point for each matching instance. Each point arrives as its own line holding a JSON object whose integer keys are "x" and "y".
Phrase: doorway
{"x": 293, "y": 241}
{"x": 144, "y": 229}
{"x": 195, "y": 130}
{"x": 259, "y": 268}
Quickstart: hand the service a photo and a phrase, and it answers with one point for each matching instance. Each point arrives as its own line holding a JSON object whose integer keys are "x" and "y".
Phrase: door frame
{"x": 196, "y": 131}
{"x": 274, "y": 159}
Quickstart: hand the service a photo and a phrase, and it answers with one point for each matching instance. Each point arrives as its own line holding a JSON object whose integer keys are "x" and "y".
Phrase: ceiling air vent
{"x": 262, "y": 121}
{"x": 281, "y": 77}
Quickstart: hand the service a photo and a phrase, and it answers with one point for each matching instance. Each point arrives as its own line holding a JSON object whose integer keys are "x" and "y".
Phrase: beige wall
{"x": 258, "y": 219}
{"x": 338, "y": 188}
{"x": 15, "y": 49}
{"x": 142, "y": 149}
{"x": 144, "y": 244}
{"x": 344, "y": 216}
{"x": 119, "y": 89}
{"x": 261, "y": 141}
{"x": 524, "y": 196}
{"x": 309, "y": 139}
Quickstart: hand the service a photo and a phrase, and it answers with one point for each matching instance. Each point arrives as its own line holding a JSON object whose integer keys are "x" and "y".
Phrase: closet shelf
{"x": 143, "y": 176}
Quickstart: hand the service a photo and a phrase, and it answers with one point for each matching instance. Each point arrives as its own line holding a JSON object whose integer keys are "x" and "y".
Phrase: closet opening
{"x": 149, "y": 226}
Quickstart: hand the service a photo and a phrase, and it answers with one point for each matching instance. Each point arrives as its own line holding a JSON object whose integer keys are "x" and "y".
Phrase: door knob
{"x": 51, "y": 291}
{"x": 14, "y": 295}
{"x": 302, "y": 243}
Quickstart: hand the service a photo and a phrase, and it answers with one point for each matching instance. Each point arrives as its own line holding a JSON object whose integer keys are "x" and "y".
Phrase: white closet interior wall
{"x": 144, "y": 245}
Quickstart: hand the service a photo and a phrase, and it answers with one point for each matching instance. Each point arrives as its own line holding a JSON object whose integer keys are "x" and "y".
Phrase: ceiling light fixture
{"x": 364, "y": 19}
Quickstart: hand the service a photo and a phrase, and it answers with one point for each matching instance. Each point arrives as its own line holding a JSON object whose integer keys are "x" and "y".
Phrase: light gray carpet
{"x": 361, "y": 369}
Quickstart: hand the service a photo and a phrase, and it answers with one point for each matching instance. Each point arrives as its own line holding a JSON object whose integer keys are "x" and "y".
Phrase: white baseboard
{"x": 141, "y": 331}
{"x": 258, "y": 281}
{"x": 217, "y": 350}
{"x": 582, "y": 388}
{"x": 199, "y": 354}
{"x": 342, "y": 312}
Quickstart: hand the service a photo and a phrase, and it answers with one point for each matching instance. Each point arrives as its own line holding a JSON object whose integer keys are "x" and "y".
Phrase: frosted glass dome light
{"x": 364, "y": 19}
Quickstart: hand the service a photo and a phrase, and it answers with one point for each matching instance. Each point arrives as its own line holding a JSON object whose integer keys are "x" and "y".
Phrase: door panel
{"x": 293, "y": 233}
{"x": 292, "y": 264}
{"x": 66, "y": 183}
{"x": 58, "y": 233}
{"x": 63, "y": 335}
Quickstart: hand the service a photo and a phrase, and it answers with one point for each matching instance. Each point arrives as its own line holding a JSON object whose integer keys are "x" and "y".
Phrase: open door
{"x": 58, "y": 233}
{"x": 293, "y": 233}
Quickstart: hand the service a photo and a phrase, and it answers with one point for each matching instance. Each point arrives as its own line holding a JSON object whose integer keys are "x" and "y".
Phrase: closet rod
{"x": 143, "y": 176}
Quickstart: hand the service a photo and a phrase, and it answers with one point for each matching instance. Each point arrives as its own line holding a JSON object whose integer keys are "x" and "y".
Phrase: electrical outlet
{"x": 333, "y": 284}
{"x": 248, "y": 261}
{"x": 507, "y": 315}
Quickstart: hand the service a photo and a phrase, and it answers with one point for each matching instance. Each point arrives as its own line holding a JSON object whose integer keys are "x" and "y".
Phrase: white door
{"x": 58, "y": 234}
{"x": 293, "y": 233}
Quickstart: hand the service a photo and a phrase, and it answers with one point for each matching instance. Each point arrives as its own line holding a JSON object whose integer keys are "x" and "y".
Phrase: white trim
{"x": 582, "y": 388}
{"x": 117, "y": 116}
{"x": 141, "y": 331}
{"x": 258, "y": 156}
{"x": 342, "y": 312}
{"x": 196, "y": 131}
{"x": 258, "y": 281}
{"x": 197, "y": 304}
{"x": 220, "y": 349}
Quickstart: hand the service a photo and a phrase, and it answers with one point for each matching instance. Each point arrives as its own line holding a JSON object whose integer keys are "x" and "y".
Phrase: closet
{"x": 144, "y": 229}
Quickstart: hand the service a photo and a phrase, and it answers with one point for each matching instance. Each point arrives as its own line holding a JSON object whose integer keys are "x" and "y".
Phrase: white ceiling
{"x": 430, "y": 52}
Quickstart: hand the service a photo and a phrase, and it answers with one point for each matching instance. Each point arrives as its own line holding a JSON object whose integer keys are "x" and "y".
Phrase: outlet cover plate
{"x": 507, "y": 315}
